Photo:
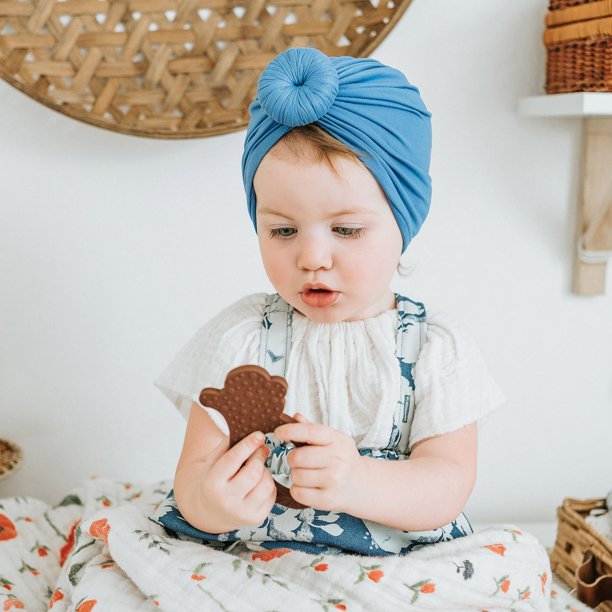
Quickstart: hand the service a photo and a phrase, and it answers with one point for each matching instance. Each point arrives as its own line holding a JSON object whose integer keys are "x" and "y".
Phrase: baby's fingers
{"x": 250, "y": 473}
{"x": 228, "y": 465}
{"x": 261, "y": 499}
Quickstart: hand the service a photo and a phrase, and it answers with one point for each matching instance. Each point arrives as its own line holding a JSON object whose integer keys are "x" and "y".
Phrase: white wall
{"x": 115, "y": 249}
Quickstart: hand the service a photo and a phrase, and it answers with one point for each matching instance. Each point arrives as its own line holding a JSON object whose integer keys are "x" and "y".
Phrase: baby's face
{"x": 315, "y": 226}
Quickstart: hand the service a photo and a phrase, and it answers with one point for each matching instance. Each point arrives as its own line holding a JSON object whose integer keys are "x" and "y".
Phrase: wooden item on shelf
{"x": 10, "y": 458}
{"x": 171, "y": 68}
{"x": 581, "y": 556}
{"x": 593, "y": 236}
{"x": 594, "y": 219}
{"x": 578, "y": 39}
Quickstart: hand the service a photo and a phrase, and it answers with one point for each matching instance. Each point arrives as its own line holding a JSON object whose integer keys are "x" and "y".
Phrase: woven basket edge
{"x": 594, "y": 503}
{"x": 577, "y": 31}
{"x": 577, "y": 13}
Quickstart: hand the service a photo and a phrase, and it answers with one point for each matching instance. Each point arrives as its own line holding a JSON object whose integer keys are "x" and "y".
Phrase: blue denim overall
{"x": 318, "y": 531}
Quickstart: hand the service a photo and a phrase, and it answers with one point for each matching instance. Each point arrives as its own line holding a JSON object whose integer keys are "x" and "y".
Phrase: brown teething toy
{"x": 252, "y": 400}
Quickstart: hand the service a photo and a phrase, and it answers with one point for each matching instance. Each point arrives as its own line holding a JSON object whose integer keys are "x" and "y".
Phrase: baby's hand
{"x": 238, "y": 489}
{"x": 325, "y": 472}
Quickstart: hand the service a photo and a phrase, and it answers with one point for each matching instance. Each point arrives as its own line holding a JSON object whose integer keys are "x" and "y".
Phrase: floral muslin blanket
{"x": 98, "y": 550}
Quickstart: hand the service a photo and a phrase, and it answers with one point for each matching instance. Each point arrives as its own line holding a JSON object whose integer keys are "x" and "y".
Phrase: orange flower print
{"x": 268, "y": 555}
{"x": 498, "y": 549}
{"x": 525, "y": 594}
{"x": 40, "y": 549}
{"x": 6, "y": 584}
{"x": 196, "y": 573}
{"x": 423, "y": 586}
{"x": 66, "y": 549}
{"x": 7, "y": 528}
{"x": 503, "y": 585}
{"x": 11, "y": 603}
{"x": 321, "y": 567}
{"x": 105, "y": 501}
{"x": 544, "y": 578}
{"x": 28, "y": 568}
{"x": 337, "y": 604}
{"x": 57, "y": 596}
{"x": 86, "y": 606}
{"x": 100, "y": 529}
{"x": 371, "y": 572}
{"x": 375, "y": 575}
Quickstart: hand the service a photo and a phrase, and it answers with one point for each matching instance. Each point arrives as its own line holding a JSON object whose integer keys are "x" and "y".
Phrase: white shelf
{"x": 593, "y": 243}
{"x": 585, "y": 104}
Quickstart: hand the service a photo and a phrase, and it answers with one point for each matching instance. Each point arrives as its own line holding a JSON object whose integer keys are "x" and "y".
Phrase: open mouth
{"x": 320, "y": 298}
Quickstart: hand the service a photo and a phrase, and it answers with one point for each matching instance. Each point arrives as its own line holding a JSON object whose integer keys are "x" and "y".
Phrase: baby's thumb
{"x": 219, "y": 449}
{"x": 300, "y": 418}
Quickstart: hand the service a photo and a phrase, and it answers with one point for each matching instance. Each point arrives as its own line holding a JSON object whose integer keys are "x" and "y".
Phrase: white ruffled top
{"x": 342, "y": 374}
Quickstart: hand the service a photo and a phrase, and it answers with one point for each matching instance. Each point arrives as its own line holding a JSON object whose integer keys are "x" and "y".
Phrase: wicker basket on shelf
{"x": 578, "y": 39}
{"x": 10, "y": 458}
{"x": 556, "y": 5}
{"x": 575, "y": 540}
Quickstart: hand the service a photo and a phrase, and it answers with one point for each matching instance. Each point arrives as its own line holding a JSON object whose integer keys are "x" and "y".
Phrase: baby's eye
{"x": 283, "y": 232}
{"x": 350, "y": 232}
{"x": 346, "y": 232}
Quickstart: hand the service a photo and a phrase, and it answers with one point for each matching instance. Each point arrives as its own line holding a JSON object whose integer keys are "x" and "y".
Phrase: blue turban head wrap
{"x": 368, "y": 106}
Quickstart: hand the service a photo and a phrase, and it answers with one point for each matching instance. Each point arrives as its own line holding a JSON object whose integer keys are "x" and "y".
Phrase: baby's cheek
{"x": 277, "y": 269}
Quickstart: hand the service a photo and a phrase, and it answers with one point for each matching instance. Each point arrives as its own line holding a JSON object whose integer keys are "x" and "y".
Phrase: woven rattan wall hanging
{"x": 171, "y": 68}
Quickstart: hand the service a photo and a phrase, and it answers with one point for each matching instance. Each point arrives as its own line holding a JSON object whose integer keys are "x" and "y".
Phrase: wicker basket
{"x": 575, "y": 537}
{"x": 171, "y": 68}
{"x": 578, "y": 39}
{"x": 555, "y": 5}
{"x": 10, "y": 458}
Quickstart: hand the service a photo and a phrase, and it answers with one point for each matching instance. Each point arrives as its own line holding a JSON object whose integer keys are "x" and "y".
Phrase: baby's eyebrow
{"x": 348, "y": 211}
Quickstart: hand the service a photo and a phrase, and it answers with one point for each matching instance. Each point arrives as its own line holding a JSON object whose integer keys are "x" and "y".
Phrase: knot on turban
{"x": 368, "y": 106}
{"x": 298, "y": 87}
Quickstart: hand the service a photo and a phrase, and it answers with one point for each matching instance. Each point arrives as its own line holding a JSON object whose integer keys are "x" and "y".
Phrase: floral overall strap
{"x": 411, "y": 336}
{"x": 275, "y": 342}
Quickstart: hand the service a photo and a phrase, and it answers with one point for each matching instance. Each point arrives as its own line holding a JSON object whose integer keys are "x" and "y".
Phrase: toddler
{"x": 387, "y": 396}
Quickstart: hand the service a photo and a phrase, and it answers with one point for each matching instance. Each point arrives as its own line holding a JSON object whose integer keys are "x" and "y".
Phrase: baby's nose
{"x": 314, "y": 254}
